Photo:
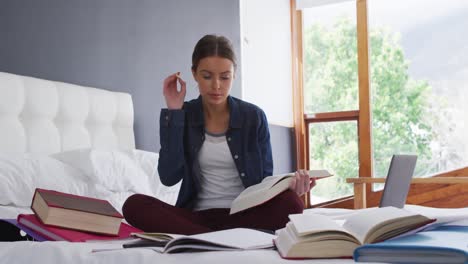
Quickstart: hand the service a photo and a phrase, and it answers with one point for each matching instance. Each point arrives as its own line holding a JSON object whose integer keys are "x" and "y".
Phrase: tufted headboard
{"x": 40, "y": 116}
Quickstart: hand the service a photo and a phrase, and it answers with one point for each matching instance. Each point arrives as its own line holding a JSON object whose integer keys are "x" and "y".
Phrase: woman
{"x": 217, "y": 145}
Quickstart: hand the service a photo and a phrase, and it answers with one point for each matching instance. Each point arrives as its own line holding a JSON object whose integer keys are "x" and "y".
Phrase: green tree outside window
{"x": 402, "y": 116}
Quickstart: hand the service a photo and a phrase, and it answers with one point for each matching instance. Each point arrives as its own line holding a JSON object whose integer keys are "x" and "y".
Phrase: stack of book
{"x": 65, "y": 217}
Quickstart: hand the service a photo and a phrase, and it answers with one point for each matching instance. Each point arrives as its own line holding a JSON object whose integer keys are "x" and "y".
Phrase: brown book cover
{"x": 76, "y": 212}
{"x": 78, "y": 203}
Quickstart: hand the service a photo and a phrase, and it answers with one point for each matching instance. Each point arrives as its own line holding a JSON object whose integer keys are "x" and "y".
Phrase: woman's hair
{"x": 213, "y": 45}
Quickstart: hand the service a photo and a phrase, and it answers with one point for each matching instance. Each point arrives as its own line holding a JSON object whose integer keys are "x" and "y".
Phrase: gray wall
{"x": 120, "y": 45}
{"x": 282, "y": 146}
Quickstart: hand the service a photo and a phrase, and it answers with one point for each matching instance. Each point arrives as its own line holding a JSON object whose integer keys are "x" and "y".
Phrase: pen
{"x": 144, "y": 243}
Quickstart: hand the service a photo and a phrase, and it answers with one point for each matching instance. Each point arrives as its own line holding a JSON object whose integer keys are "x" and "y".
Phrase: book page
{"x": 157, "y": 236}
{"x": 361, "y": 223}
{"x": 259, "y": 193}
{"x": 443, "y": 215}
{"x": 238, "y": 238}
{"x": 270, "y": 181}
{"x": 319, "y": 174}
{"x": 268, "y": 188}
{"x": 265, "y": 184}
{"x": 312, "y": 223}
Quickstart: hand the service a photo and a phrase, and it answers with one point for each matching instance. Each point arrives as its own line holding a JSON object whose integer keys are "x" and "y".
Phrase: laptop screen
{"x": 398, "y": 180}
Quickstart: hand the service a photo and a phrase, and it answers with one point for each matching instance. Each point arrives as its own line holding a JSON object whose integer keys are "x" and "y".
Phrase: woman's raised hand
{"x": 174, "y": 98}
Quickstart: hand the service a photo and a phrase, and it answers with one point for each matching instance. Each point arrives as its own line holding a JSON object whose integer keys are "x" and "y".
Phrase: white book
{"x": 268, "y": 188}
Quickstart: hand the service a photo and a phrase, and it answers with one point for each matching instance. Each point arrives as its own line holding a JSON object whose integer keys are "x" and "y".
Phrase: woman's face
{"x": 214, "y": 76}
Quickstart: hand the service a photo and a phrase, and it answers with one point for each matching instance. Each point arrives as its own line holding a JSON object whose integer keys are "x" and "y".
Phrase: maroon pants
{"x": 152, "y": 215}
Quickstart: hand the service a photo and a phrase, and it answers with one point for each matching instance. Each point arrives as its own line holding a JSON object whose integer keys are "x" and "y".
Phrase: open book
{"x": 318, "y": 236}
{"x": 268, "y": 188}
{"x": 230, "y": 239}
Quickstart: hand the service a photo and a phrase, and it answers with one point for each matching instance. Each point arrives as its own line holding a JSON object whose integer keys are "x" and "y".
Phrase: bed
{"x": 80, "y": 140}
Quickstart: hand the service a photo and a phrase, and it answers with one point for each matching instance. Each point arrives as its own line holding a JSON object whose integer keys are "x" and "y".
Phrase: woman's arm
{"x": 171, "y": 165}
{"x": 265, "y": 145}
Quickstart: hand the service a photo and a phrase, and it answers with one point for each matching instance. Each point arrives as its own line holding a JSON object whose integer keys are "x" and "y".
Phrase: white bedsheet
{"x": 11, "y": 212}
{"x": 64, "y": 252}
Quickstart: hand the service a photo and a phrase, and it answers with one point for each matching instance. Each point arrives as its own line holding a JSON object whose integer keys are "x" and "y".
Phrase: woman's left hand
{"x": 301, "y": 183}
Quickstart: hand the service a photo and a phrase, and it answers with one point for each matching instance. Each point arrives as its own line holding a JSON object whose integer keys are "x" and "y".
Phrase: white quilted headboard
{"x": 40, "y": 116}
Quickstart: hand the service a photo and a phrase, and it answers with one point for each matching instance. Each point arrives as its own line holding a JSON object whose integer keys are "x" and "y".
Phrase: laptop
{"x": 398, "y": 180}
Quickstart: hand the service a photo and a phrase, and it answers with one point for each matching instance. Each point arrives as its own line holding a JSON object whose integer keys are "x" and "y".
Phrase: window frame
{"x": 361, "y": 115}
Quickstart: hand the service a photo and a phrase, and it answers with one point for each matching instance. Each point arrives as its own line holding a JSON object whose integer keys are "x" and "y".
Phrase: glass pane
{"x": 333, "y": 146}
{"x": 330, "y": 58}
{"x": 419, "y": 80}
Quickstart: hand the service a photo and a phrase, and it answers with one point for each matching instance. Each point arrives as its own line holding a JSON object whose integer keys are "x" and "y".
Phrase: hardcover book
{"x": 30, "y": 221}
{"x": 76, "y": 212}
{"x": 445, "y": 244}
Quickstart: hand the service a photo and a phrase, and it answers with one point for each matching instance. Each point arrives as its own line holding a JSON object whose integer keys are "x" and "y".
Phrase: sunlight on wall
{"x": 266, "y": 58}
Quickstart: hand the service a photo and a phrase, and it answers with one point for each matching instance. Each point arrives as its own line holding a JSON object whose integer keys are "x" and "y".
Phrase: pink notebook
{"x": 61, "y": 234}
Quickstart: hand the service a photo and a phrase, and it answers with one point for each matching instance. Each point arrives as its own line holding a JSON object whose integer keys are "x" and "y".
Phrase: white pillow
{"x": 21, "y": 174}
{"x": 114, "y": 170}
{"x": 149, "y": 163}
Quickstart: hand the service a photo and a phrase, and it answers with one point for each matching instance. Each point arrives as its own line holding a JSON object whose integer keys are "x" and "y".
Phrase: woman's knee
{"x": 291, "y": 202}
{"x": 133, "y": 204}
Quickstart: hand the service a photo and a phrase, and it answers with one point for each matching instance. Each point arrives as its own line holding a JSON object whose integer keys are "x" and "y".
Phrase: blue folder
{"x": 445, "y": 244}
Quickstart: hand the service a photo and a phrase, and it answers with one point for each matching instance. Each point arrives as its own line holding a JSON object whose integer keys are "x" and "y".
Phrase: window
{"x": 334, "y": 146}
{"x": 370, "y": 85}
{"x": 331, "y": 96}
{"x": 419, "y": 79}
{"x": 330, "y": 58}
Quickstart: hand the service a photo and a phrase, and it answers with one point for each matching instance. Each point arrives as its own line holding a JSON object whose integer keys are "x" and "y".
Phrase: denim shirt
{"x": 182, "y": 133}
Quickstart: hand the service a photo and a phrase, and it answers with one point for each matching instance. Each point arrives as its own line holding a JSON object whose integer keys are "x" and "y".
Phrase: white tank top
{"x": 219, "y": 179}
